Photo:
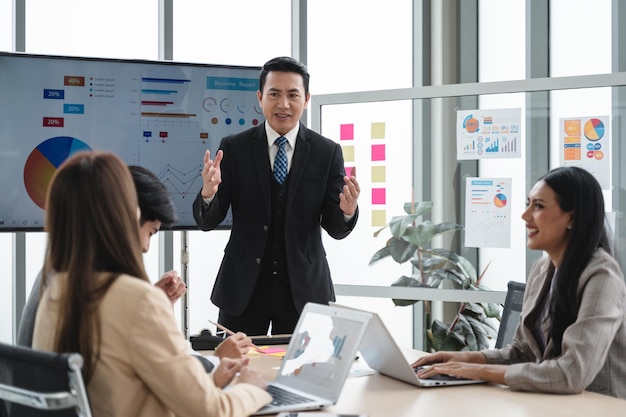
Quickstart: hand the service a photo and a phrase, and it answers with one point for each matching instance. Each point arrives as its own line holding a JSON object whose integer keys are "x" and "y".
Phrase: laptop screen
{"x": 321, "y": 353}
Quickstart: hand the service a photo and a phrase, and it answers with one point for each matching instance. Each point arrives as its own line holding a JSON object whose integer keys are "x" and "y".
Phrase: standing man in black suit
{"x": 274, "y": 262}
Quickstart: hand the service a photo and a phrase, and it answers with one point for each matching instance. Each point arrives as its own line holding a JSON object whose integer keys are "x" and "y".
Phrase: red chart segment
{"x": 594, "y": 129}
{"x": 43, "y": 162}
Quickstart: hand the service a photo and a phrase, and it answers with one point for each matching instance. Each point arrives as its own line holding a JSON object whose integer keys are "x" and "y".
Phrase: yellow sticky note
{"x": 348, "y": 153}
{"x": 378, "y": 130}
{"x": 379, "y": 218}
{"x": 379, "y": 174}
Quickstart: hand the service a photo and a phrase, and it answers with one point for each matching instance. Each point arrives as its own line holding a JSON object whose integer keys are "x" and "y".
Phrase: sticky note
{"x": 378, "y": 130}
{"x": 379, "y": 218}
{"x": 378, "y": 152}
{"x": 346, "y": 132}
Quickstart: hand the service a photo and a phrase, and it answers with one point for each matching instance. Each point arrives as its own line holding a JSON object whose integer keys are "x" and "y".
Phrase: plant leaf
{"x": 399, "y": 224}
{"x": 446, "y": 227}
{"x": 444, "y": 340}
{"x": 418, "y": 208}
{"x": 380, "y": 254}
{"x": 464, "y": 328}
{"x": 400, "y": 250}
{"x": 492, "y": 310}
{"x": 460, "y": 262}
{"x": 420, "y": 235}
{"x": 405, "y": 281}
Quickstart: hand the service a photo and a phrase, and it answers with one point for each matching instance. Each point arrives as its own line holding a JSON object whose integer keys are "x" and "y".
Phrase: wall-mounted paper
{"x": 483, "y": 134}
{"x": 488, "y": 212}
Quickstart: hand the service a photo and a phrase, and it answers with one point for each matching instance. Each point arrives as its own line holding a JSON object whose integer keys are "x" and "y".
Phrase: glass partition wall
{"x": 380, "y": 139}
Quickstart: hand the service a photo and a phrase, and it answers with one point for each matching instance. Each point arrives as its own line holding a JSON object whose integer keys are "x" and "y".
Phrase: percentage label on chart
{"x": 74, "y": 108}
{"x": 52, "y": 94}
{"x": 52, "y": 122}
{"x": 74, "y": 80}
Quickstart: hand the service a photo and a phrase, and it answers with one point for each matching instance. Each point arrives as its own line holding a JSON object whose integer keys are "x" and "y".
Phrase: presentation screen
{"x": 157, "y": 114}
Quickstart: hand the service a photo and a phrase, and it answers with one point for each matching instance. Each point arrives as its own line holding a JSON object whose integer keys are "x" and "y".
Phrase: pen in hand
{"x": 230, "y": 333}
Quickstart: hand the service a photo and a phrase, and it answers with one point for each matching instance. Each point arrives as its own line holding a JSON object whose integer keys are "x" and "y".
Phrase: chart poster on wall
{"x": 488, "y": 212}
{"x": 487, "y": 134}
{"x": 157, "y": 114}
{"x": 584, "y": 142}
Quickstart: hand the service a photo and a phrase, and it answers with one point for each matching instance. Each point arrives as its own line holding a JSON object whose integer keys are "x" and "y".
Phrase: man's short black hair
{"x": 155, "y": 201}
{"x": 285, "y": 64}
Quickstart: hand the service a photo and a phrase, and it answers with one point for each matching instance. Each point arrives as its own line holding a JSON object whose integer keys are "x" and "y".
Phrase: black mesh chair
{"x": 35, "y": 383}
{"x": 510, "y": 313}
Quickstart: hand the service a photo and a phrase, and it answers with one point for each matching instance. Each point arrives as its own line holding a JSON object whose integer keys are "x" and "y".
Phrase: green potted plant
{"x": 411, "y": 238}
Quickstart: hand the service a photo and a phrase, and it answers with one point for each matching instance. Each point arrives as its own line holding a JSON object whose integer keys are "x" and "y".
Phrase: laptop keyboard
{"x": 283, "y": 397}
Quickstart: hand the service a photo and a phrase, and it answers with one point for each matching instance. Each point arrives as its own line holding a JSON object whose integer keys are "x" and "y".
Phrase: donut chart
{"x": 594, "y": 129}
{"x": 43, "y": 162}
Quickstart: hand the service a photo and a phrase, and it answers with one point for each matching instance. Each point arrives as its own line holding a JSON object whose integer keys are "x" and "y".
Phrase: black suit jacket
{"x": 314, "y": 183}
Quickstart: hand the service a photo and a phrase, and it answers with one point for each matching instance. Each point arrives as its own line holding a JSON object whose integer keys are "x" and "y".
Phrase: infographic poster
{"x": 584, "y": 142}
{"x": 488, "y": 212}
{"x": 488, "y": 134}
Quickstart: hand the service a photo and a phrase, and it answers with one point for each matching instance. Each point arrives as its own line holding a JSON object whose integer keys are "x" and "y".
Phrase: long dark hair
{"x": 93, "y": 231}
{"x": 579, "y": 192}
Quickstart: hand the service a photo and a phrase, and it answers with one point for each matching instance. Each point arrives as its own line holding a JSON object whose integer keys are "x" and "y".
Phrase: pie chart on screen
{"x": 594, "y": 129}
{"x": 499, "y": 200}
{"x": 43, "y": 162}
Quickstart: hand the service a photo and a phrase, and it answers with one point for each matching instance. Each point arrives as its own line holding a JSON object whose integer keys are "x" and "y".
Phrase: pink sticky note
{"x": 348, "y": 171}
{"x": 379, "y": 195}
{"x": 378, "y": 152}
{"x": 346, "y": 132}
{"x": 274, "y": 351}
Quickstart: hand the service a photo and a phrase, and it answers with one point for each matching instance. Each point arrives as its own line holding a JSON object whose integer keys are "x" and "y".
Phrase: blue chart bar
{"x": 164, "y": 80}
{"x": 145, "y": 91}
{"x": 493, "y": 147}
{"x": 338, "y": 346}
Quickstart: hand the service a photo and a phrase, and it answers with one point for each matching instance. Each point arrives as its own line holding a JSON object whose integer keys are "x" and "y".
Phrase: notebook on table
{"x": 318, "y": 359}
{"x": 382, "y": 354}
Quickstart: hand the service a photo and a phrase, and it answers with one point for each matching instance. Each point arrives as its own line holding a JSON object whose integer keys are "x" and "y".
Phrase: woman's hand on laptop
{"x": 476, "y": 371}
{"x": 444, "y": 356}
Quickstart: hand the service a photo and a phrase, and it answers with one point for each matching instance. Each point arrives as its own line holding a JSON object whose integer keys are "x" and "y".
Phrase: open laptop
{"x": 318, "y": 360}
{"x": 382, "y": 354}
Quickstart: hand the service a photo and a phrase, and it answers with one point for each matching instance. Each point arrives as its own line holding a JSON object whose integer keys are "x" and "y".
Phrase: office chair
{"x": 34, "y": 383}
{"x": 510, "y": 313}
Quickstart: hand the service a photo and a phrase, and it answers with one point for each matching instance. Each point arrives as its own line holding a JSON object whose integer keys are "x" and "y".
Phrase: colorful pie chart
{"x": 43, "y": 162}
{"x": 594, "y": 129}
{"x": 499, "y": 200}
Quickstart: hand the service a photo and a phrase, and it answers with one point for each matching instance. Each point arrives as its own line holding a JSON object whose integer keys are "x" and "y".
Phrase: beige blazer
{"x": 594, "y": 346}
{"x": 145, "y": 369}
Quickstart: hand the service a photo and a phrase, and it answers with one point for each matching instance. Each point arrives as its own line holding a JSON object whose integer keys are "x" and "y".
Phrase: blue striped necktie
{"x": 280, "y": 161}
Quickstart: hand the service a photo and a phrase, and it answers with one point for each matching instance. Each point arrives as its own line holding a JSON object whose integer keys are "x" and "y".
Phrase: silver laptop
{"x": 318, "y": 360}
{"x": 382, "y": 354}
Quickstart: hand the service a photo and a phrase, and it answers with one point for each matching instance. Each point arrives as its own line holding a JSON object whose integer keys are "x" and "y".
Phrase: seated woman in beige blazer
{"x": 572, "y": 331}
{"x": 100, "y": 303}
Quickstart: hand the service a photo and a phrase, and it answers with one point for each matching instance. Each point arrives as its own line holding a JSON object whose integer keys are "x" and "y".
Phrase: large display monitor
{"x": 161, "y": 115}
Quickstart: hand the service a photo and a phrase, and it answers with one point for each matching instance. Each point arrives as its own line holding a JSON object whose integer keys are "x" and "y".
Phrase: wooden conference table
{"x": 381, "y": 396}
